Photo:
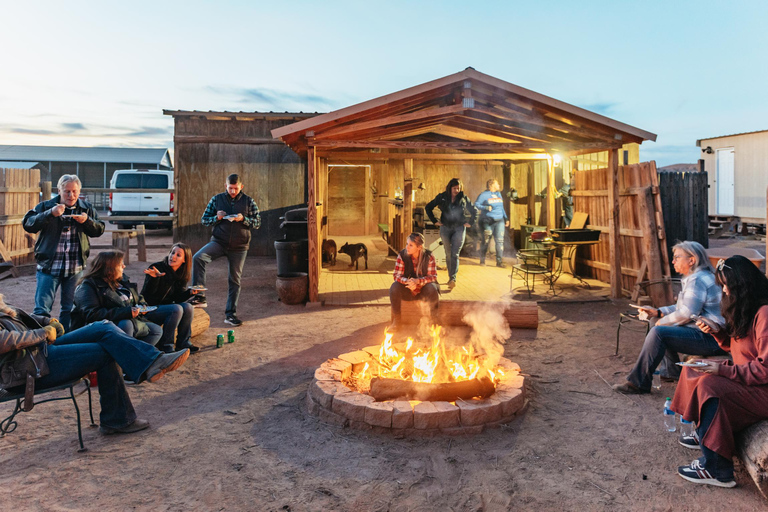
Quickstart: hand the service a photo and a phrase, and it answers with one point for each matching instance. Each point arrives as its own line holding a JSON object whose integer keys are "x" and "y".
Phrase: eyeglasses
{"x": 680, "y": 256}
{"x": 721, "y": 265}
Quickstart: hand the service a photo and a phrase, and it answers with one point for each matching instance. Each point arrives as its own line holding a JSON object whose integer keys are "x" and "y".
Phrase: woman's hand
{"x": 712, "y": 367}
{"x": 704, "y": 327}
{"x": 152, "y": 271}
{"x": 467, "y": 225}
{"x": 194, "y": 291}
{"x": 647, "y": 313}
{"x": 438, "y": 223}
{"x": 135, "y": 311}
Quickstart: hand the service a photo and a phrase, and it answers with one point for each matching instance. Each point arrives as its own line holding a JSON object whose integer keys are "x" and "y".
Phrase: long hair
{"x": 699, "y": 254}
{"x": 185, "y": 270}
{"x": 453, "y": 183}
{"x": 104, "y": 266}
{"x": 418, "y": 239}
{"x": 747, "y": 292}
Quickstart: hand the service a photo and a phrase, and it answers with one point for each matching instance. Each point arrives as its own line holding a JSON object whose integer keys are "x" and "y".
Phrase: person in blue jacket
{"x": 493, "y": 220}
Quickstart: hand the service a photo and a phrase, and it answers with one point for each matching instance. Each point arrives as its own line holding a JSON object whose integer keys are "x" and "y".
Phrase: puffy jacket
{"x": 95, "y": 300}
{"x": 41, "y": 220}
{"x": 167, "y": 289}
{"x": 22, "y": 331}
{"x": 454, "y": 213}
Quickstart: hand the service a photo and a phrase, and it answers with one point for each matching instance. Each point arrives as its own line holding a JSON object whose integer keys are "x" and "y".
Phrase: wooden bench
{"x": 9, "y": 424}
{"x": 520, "y": 315}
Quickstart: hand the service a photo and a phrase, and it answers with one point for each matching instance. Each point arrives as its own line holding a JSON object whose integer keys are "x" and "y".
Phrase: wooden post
{"x": 121, "y": 242}
{"x": 646, "y": 211}
{"x": 312, "y": 231}
{"x": 407, "y": 199}
{"x": 141, "y": 242}
{"x": 45, "y": 189}
{"x": 614, "y": 258}
{"x": 659, "y": 221}
{"x": 551, "y": 191}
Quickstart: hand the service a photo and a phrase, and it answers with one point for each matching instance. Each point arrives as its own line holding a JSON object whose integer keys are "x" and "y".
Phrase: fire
{"x": 436, "y": 364}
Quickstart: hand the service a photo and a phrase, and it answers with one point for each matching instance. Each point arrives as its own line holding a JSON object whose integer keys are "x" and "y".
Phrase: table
{"x": 569, "y": 253}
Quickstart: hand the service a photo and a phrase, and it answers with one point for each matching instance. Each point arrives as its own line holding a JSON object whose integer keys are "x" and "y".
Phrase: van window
{"x": 154, "y": 181}
{"x": 128, "y": 181}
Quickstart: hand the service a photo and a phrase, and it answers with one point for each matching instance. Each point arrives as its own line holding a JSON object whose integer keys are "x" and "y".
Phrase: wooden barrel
{"x": 200, "y": 322}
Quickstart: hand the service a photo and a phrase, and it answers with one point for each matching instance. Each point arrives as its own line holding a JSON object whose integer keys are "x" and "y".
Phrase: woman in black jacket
{"x": 104, "y": 293}
{"x": 457, "y": 215}
{"x": 165, "y": 283}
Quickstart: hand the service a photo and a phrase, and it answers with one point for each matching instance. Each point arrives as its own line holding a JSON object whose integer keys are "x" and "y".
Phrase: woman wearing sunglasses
{"x": 724, "y": 397}
{"x": 674, "y": 330}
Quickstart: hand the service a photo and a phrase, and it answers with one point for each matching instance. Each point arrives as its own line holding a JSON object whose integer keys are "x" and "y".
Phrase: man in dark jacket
{"x": 64, "y": 224}
{"x": 98, "y": 347}
{"x": 233, "y": 215}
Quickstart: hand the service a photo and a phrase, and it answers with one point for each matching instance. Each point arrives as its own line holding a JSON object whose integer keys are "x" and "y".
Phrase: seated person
{"x": 675, "y": 331}
{"x": 104, "y": 293}
{"x": 165, "y": 284}
{"x": 725, "y": 397}
{"x": 415, "y": 279}
{"x": 99, "y": 347}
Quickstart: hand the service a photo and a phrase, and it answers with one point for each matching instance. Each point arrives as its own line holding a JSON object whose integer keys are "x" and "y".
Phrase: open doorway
{"x": 347, "y": 200}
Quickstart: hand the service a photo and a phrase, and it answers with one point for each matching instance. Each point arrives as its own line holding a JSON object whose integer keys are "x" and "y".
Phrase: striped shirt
{"x": 700, "y": 296}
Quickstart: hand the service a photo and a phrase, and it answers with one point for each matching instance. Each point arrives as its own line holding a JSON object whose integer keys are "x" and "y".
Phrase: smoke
{"x": 490, "y": 329}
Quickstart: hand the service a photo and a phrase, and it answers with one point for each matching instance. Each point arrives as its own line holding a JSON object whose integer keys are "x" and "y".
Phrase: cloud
{"x": 602, "y": 108}
{"x": 148, "y": 131}
{"x": 273, "y": 99}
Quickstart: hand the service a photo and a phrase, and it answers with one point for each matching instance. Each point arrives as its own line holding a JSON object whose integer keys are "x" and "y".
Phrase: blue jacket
{"x": 495, "y": 202}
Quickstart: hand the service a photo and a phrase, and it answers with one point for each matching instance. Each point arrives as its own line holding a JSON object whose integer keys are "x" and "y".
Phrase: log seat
{"x": 519, "y": 315}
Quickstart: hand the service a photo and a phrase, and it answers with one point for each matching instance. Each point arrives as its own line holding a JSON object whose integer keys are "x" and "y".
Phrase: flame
{"x": 435, "y": 364}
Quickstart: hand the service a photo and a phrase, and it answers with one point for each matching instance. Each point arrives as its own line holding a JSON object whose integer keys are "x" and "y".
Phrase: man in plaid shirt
{"x": 233, "y": 215}
{"x": 64, "y": 223}
{"x": 415, "y": 279}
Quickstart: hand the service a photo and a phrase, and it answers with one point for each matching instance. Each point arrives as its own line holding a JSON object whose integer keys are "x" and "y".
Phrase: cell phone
{"x": 706, "y": 321}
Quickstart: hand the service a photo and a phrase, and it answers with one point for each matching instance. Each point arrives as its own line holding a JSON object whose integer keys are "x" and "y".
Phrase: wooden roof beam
{"x": 469, "y": 157}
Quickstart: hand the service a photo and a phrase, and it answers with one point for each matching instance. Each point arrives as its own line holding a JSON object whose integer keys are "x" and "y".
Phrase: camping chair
{"x": 657, "y": 290}
{"x": 8, "y": 425}
{"x": 533, "y": 262}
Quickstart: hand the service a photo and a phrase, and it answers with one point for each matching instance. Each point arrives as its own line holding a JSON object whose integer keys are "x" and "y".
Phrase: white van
{"x": 136, "y": 203}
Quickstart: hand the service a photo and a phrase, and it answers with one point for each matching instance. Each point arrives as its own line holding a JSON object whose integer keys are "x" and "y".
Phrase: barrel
{"x": 292, "y": 256}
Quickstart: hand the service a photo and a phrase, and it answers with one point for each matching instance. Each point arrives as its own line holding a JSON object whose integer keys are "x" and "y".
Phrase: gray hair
{"x": 68, "y": 178}
{"x": 699, "y": 254}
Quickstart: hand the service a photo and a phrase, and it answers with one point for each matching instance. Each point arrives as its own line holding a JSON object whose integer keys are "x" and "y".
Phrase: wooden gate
{"x": 19, "y": 192}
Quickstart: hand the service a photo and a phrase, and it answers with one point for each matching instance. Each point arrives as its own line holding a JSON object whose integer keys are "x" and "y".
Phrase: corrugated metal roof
{"x": 698, "y": 142}
{"x": 17, "y": 165}
{"x": 152, "y": 156}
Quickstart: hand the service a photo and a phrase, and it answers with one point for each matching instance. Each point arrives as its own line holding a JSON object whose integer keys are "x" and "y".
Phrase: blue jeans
{"x": 46, "y": 293}
{"x": 663, "y": 343}
{"x": 154, "y": 335}
{"x": 170, "y": 317}
{"x": 719, "y": 466}
{"x": 493, "y": 228}
{"x": 236, "y": 259}
{"x": 453, "y": 241}
{"x": 101, "y": 347}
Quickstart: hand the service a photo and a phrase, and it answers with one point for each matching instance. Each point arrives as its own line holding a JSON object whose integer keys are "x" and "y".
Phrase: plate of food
{"x": 198, "y": 287}
{"x": 230, "y": 216}
{"x": 146, "y": 309}
{"x": 694, "y": 364}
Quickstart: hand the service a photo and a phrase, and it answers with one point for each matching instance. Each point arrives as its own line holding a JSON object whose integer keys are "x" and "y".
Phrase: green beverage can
{"x": 230, "y": 336}
{"x": 219, "y": 340}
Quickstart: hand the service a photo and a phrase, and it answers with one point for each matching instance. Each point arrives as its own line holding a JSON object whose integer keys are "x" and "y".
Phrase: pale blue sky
{"x": 100, "y": 73}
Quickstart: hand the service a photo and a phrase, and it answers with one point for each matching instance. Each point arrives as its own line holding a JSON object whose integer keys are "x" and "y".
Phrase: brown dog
{"x": 329, "y": 252}
{"x": 354, "y": 251}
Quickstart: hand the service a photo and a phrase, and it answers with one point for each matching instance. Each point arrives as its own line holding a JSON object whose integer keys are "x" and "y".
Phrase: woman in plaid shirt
{"x": 675, "y": 331}
{"x": 415, "y": 278}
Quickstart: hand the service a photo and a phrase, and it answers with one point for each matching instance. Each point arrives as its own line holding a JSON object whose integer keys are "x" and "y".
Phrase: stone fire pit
{"x": 334, "y": 402}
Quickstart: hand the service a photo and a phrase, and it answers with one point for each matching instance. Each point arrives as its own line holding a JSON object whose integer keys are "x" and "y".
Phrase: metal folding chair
{"x": 532, "y": 263}
{"x": 655, "y": 289}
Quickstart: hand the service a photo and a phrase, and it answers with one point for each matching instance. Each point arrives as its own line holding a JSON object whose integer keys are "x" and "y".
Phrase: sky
{"x": 80, "y": 73}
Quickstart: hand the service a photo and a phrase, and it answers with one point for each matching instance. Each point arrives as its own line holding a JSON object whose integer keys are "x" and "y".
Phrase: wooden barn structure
{"x": 468, "y": 125}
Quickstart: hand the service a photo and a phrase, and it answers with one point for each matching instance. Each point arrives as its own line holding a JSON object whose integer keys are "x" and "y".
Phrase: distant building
{"x": 736, "y": 168}
{"x": 680, "y": 168}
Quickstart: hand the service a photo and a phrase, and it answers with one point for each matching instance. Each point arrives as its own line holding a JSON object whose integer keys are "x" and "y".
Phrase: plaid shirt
{"x": 431, "y": 276}
{"x": 700, "y": 296}
{"x": 253, "y": 220}
{"x": 68, "y": 259}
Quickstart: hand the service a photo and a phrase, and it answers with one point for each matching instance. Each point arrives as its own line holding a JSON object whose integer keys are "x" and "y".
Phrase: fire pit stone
{"x": 351, "y": 405}
{"x": 379, "y": 414}
{"x": 402, "y": 414}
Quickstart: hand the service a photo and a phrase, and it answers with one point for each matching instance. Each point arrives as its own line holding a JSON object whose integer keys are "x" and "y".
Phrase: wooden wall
{"x": 19, "y": 193}
{"x": 685, "y": 203}
{"x": 272, "y": 173}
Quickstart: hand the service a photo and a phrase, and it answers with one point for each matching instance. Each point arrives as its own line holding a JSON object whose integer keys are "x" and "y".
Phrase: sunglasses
{"x": 721, "y": 265}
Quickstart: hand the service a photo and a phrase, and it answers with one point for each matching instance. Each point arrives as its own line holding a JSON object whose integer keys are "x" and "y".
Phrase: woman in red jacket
{"x": 723, "y": 398}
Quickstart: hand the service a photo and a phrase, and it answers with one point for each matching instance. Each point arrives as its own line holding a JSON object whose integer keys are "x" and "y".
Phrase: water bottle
{"x": 656, "y": 380}
{"x": 686, "y": 427}
{"x": 669, "y": 416}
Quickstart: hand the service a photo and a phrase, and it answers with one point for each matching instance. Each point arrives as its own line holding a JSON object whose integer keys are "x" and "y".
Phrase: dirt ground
{"x": 230, "y": 430}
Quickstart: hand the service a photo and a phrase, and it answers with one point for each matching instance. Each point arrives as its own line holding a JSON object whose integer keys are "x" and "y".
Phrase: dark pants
{"x": 101, "y": 347}
{"x": 495, "y": 229}
{"x": 236, "y": 259}
{"x": 429, "y": 293}
{"x": 170, "y": 316}
{"x": 720, "y": 467}
{"x": 668, "y": 341}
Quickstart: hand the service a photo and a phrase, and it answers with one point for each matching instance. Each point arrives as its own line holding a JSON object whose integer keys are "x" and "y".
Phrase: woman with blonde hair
{"x": 415, "y": 279}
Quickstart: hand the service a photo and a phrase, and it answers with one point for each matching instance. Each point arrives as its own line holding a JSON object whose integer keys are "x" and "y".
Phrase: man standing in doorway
{"x": 493, "y": 220}
{"x": 233, "y": 215}
{"x": 64, "y": 222}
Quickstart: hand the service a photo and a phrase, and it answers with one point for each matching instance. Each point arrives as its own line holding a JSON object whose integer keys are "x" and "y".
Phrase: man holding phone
{"x": 64, "y": 223}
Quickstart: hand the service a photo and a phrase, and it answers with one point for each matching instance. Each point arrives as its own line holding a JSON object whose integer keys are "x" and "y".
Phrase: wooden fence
{"x": 685, "y": 203}
{"x": 643, "y": 243}
{"x": 19, "y": 192}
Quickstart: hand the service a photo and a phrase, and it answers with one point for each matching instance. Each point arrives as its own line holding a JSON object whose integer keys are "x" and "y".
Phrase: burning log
{"x": 389, "y": 389}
